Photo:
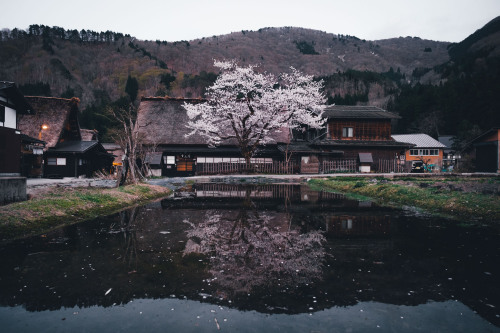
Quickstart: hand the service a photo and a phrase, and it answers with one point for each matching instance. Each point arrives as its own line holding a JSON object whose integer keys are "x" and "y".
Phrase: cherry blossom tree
{"x": 246, "y": 106}
{"x": 250, "y": 249}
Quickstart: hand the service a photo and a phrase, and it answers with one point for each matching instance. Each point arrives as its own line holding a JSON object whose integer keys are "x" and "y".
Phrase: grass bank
{"x": 464, "y": 199}
{"x": 60, "y": 206}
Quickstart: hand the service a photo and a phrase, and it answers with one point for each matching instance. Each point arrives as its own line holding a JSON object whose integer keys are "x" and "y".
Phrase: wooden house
{"x": 65, "y": 153}
{"x": 426, "y": 153}
{"x": 356, "y": 138}
{"x": 117, "y": 152}
{"x": 161, "y": 122}
{"x": 361, "y": 134}
{"x": 12, "y": 106}
{"x": 487, "y": 151}
{"x": 31, "y": 156}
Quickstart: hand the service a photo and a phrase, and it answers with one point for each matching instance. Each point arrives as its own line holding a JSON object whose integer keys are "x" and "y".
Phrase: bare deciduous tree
{"x": 129, "y": 139}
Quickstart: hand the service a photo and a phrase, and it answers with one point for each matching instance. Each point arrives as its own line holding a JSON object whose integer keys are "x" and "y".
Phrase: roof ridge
{"x": 168, "y": 98}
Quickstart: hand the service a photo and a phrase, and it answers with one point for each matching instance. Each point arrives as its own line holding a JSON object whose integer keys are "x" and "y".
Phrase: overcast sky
{"x": 442, "y": 20}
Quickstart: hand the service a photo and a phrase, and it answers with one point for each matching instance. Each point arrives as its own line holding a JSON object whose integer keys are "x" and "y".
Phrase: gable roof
{"x": 56, "y": 113}
{"x": 81, "y": 147}
{"x": 162, "y": 120}
{"x": 14, "y": 97}
{"x": 74, "y": 146}
{"x": 486, "y": 133}
{"x": 357, "y": 111}
{"x": 419, "y": 140}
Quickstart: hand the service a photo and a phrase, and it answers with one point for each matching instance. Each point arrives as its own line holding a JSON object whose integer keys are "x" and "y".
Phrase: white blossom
{"x": 247, "y": 106}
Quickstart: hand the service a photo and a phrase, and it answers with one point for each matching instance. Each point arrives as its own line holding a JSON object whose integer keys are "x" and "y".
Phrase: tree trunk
{"x": 248, "y": 166}
{"x": 123, "y": 175}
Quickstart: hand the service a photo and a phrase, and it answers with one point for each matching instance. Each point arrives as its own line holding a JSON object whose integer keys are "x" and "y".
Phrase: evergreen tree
{"x": 132, "y": 88}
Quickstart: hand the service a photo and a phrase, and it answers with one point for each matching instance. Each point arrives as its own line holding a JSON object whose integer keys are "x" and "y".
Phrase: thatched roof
{"x": 89, "y": 135}
{"x": 162, "y": 121}
{"x": 60, "y": 115}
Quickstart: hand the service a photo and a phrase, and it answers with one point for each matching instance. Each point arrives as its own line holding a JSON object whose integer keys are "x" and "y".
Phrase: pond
{"x": 254, "y": 259}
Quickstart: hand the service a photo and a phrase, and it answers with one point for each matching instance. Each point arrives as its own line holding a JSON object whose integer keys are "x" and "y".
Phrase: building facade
{"x": 355, "y": 138}
{"x": 487, "y": 151}
{"x": 12, "y": 105}
{"x": 65, "y": 153}
{"x": 427, "y": 153}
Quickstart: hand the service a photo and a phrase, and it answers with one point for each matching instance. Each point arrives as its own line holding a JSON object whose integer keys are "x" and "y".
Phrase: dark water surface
{"x": 273, "y": 258}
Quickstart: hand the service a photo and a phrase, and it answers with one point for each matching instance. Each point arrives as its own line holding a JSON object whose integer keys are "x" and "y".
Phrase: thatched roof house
{"x": 55, "y": 120}
{"x": 162, "y": 121}
{"x": 162, "y": 125}
{"x": 66, "y": 154}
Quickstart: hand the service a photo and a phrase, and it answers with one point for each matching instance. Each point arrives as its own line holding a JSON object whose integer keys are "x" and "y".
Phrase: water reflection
{"x": 272, "y": 249}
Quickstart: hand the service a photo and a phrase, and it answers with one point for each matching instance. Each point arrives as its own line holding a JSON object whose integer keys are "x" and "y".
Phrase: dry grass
{"x": 463, "y": 205}
{"x": 57, "y": 206}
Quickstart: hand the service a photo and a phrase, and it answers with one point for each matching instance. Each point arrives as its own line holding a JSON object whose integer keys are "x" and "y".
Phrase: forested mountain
{"x": 99, "y": 67}
{"x": 466, "y": 100}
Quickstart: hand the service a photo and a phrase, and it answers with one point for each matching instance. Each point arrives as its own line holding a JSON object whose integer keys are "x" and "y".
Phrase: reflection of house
{"x": 56, "y": 123}
{"x": 487, "y": 151}
{"x": 426, "y": 153}
{"x": 359, "y": 225}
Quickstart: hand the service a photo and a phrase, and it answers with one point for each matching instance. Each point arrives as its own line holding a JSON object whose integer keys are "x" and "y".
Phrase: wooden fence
{"x": 223, "y": 168}
{"x": 388, "y": 166}
{"x": 283, "y": 168}
{"x": 347, "y": 166}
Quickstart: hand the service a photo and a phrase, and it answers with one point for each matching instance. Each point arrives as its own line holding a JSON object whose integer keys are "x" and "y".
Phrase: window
{"x": 347, "y": 132}
{"x": 347, "y": 224}
{"x": 169, "y": 159}
{"x": 424, "y": 152}
{"x": 56, "y": 161}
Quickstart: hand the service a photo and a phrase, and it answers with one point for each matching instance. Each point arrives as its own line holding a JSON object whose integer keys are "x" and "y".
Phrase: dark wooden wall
{"x": 362, "y": 129}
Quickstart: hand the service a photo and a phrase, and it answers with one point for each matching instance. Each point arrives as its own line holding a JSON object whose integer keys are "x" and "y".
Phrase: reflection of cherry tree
{"x": 248, "y": 249}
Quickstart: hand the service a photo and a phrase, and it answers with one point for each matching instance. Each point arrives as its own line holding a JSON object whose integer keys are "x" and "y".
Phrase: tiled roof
{"x": 419, "y": 140}
{"x": 357, "y": 111}
{"x": 74, "y": 146}
{"x": 362, "y": 143}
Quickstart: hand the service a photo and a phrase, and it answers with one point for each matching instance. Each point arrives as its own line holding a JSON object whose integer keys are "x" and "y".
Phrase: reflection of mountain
{"x": 344, "y": 254}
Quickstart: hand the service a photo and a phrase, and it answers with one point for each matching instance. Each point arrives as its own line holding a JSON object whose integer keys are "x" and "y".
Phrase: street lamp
{"x": 42, "y": 128}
